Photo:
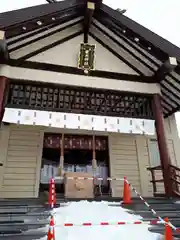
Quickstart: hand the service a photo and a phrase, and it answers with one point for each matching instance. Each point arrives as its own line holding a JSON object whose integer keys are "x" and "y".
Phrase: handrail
{"x": 174, "y": 176}
{"x": 175, "y": 167}
{"x": 154, "y": 168}
{"x": 154, "y": 181}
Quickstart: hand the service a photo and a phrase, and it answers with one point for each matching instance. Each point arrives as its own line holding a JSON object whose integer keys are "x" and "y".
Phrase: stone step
{"x": 117, "y": 199}
{"x": 160, "y": 205}
{"x": 151, "y": 201}
{"x": 161, "y": 231}
{"x": 25, "y": 222}
{"x": 35, "y": 235}
{"x": 12, "y": 204}
{"x": 21, "y": 201}
{"x": 13, "y": 211}
{"x": 23, "y": 210}
{"x": 156, "y": 207}
{"x": 159, "y": 212}
{"x": 164, "y": 208}
{"x": 60, "y": 199}
{"x": 11, "y": 221}
{"x": 171, "y": 219}
{"x": 22, "y": 237}
{"x": 22, "y": 217}
{"x": 22, "y": 206}
{"x": 174, "y": 221}
{"x": 20, "y": 211}
{"x": 21, "y": 227}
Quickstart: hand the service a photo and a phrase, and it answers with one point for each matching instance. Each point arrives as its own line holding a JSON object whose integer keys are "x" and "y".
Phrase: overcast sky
{"x": 160, "y": 16}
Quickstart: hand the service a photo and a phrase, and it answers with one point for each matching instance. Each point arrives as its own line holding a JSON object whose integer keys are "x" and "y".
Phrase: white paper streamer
{"x": 79, "y": 121}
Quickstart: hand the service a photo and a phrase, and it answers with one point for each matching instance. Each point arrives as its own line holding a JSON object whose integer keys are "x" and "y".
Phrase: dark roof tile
{"x": 15, "y": 17}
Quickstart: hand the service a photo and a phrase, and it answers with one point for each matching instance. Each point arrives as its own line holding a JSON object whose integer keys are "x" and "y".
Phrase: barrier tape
{"x": 53, "y": 193}
{"x": 153, "y": 222}
{"x": 90, "y": 178}
{"x": 152, "y": 210}
{"x": 89, "y": 224}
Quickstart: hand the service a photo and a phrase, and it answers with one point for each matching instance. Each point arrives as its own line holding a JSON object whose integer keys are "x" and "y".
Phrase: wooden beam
{"x": 51, "y": 1}
{"x": 76, "y": 71}
{"x": 167, "y": 67}
{"x": 90, "y": 7}
{"x": 162, "y": 144}
{"x": 4, "y": 55}
{"x": 3, "y": 87}
{"x": 51, "y": 45}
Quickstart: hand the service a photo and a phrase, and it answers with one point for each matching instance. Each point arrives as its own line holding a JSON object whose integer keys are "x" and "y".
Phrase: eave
{"x": 34, "y": 18}
{"x": 4, "y": 55}
{"x": 154, "y": 50}
{"x": 161, "y": 44}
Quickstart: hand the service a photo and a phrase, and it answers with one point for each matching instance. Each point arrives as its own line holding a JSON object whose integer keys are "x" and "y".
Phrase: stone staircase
{"x": 164, "y": 208}
{"x": 27, "y": 219}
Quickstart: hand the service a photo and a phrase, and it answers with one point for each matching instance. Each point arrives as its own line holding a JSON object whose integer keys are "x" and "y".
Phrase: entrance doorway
{"x": 77, "y": 152}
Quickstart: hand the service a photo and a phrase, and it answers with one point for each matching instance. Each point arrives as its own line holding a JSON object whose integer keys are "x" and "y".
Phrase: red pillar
{"x": 163, "y": 148}
{"x": 3, "y": 84}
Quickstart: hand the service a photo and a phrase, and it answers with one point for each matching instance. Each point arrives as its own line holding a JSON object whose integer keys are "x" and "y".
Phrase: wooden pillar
{"x": 162, "y": 144}
{"x": 3, "y": 84}
{"x": 94, "y": 162}
{"x": 61, "y": 162}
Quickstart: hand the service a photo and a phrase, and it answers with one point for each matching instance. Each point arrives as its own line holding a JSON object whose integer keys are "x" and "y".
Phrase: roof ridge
{"x": 153, "y": 38}
{"x": 11, "y": 18}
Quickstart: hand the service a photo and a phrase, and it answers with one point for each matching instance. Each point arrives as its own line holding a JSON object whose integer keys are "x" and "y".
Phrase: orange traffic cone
{"x": 168, "y": 231}
{"x": 52, "y": 194}
{"x": 51, "y": 231}
{"x": 127, "y": 193}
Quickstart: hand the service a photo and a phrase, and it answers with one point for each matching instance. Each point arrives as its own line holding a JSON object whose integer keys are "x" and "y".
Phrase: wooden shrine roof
{"x": 154, "y": 51}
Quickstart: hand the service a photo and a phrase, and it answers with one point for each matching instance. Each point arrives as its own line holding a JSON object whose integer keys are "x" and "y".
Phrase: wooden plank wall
{"x": 123, "y": 162}
{"x": 130, "y": 156}
{"x": 143, "y": 160}
{"x": 20, "y": 168}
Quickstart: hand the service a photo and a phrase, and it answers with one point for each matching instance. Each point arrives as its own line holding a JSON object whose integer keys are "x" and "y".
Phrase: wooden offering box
{"x": 78, "y": 188}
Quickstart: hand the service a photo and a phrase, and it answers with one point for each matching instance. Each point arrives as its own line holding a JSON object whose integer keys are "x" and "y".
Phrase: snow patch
{"x": 96, "y": 212}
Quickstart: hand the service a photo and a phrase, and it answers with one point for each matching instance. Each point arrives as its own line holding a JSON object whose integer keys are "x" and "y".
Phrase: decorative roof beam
{"x": 172, "y": 112}
{"x": 88, "y": 18}
{"x": 4, "y": 55}
{"x": 167, "y": 67}
{"x": 51, "y": 1}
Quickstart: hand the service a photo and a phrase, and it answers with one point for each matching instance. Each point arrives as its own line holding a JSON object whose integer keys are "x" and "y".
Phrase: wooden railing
{"x": 175, "y": 178}
{"x": 154, "y": 181}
